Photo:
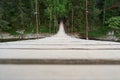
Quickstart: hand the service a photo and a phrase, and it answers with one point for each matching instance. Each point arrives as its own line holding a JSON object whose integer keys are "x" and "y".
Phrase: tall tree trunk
{"x": 72, "y": 20}
{"x": 36, "y": 9}
{"x": 104, "y": 11}
{"x": 55, "y": 21}
{"x": 87, "y": 19}
{"x": 50, "y": 24}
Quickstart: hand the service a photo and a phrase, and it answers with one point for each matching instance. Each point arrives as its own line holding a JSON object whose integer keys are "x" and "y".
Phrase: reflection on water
{"x": 59, "y": 72}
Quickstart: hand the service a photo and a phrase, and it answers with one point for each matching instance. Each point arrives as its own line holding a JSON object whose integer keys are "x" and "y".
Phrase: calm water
{"x": 59, "y": 72}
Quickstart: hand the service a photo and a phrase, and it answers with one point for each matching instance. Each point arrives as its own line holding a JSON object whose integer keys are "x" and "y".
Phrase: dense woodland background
{"x": 19, "y": 15}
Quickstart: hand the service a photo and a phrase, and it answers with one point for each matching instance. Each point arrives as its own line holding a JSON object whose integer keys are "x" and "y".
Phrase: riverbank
{"x": 7, "y": 37}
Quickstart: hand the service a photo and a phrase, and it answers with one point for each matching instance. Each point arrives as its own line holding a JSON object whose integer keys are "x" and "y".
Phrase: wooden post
{"x": 36, "y": 14}
{"x": 87, "y": 20}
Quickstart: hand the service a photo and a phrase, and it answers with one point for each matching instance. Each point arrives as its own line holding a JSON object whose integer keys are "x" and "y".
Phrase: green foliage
{"x": 97, "y": 33}
{"x": 20, "y": 15}
{"x": 58, "y": 7}
{"x": 114, "y": 23}
{"x": 4, "y": 25}
{"x": 97, "y": 12}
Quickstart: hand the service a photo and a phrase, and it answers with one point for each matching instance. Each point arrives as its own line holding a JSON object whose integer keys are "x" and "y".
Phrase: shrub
{"x": 113, "y": 24}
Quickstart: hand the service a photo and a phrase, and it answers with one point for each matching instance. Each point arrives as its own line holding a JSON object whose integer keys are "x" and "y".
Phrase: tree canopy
{"x": 20, "y": 15}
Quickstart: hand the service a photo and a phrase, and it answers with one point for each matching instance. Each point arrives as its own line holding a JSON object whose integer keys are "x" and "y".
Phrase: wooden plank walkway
{"x": 61, "y": 61}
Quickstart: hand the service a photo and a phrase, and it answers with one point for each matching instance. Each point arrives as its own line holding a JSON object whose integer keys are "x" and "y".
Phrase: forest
{"x": 20, "y": 15}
